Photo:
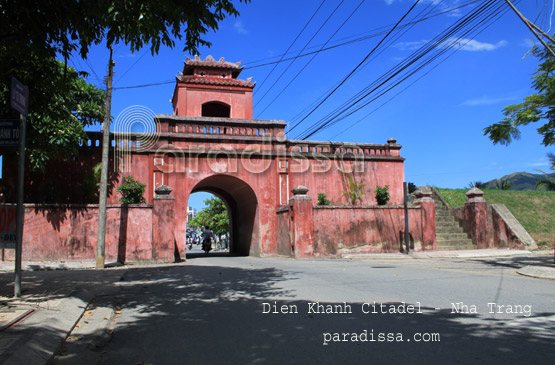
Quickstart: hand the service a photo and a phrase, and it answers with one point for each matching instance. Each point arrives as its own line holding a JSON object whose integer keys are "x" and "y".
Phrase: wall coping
{"x": 80, "y": 206}
{"x": 224, "y": 121}
{"x": 399, "y": 206}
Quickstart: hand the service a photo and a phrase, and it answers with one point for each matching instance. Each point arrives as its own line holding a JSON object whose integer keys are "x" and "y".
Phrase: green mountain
{"x": 519, "y": 181}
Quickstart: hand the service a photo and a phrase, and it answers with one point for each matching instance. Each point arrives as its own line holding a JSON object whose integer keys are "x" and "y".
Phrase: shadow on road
{"x": 216, "y": 314}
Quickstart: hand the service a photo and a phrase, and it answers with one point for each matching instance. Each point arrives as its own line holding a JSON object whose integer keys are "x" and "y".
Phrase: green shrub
{"x": 382, "y": 195}
{"x": 132, "y": 191}
{"x": 322, "y": 200}
{"x": 355, "y": 190}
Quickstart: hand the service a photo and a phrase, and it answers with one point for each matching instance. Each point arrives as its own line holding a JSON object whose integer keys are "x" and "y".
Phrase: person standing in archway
{"x": 207, "y": 237}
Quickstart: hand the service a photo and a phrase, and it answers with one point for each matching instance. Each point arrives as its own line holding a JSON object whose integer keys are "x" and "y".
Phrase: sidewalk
{"x": 56, "y": 295}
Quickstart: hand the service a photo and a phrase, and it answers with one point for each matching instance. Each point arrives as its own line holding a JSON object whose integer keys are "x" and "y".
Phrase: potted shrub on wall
{"x": 382, "y": 195}
{"x": 323, "y": 200}
{"x": 131, "y": 191}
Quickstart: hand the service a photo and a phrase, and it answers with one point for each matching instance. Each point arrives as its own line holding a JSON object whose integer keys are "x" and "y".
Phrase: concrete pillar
{"x": 476, "y": 217}
{"x": 302, "y": 223}
{"x": 163, "y": 225}
{"x": 428, "y": 215}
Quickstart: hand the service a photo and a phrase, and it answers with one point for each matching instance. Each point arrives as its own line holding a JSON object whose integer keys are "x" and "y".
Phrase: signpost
{"x": 8, "y": 226}
{"x": 9, "y": 132}
{"x": 20, "y": 102}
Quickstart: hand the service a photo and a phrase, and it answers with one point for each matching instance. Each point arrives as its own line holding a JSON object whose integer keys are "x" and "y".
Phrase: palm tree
{"x": 477, "y": 184}
{"x": 503, "y": 184}
{"x": 549, "y": 181}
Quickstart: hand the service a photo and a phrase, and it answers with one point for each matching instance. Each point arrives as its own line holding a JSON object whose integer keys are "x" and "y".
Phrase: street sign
{"x": 9, "y": 132}
{"x": 8, "y": 217}
{"x": 20, "y": 97}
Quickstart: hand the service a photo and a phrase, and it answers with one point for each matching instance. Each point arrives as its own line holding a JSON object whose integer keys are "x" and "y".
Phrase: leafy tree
{"x": 132, "y": 191}
{"x": 33, "y": 35}
{"x": 536, "y": 107}
{"x": 548, "y": 182}
{"x": 91, "y": 184}
{"x": 61, "y": 104}
{"x": 67, "y": 26}
{"x": 214, "y": 216}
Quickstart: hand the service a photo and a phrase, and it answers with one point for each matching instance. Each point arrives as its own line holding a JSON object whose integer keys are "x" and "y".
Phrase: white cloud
{"x": 473, "y": 45}
{"x": 435, "y": 2}
{"x": 240, "y": 28}
{"x": 410, "y": 46}
{"x": 487, "y": 100}
{"x": 539, "y": 164}
{"x": 128, "y": 55}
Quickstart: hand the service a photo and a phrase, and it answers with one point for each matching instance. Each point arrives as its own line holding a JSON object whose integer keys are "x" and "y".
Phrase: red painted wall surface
{"x": 69, "y": 233}
{"x": 188, "y": 100}
{"x": 340, "y": 230}
{"x": 498, "y": 234}
{"x": 501, "y": 233}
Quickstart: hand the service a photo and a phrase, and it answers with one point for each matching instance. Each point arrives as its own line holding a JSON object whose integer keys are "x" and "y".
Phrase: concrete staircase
{"x": 449, "y": 235}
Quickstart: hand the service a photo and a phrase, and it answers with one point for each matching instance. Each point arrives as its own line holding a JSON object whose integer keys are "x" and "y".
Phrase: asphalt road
{"x": 213, "y": 310}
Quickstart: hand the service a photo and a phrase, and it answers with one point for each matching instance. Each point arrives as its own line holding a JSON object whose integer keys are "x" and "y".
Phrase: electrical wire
{"x": 312, "y": 59}
{"x": 357, "y": 67}
{"x": 307, "y": 43}
{"x": 291, "y": 45}
{"x": 360, "y": 39}
{"x": 367, "y": 36}
{"x": 401, "y": 31}
{"x": 476, "y": 18}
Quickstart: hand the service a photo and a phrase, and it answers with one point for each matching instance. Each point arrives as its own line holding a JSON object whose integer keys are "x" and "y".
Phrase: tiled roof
{"x": 207, "y": 80}
{"x": 212, "y": 63}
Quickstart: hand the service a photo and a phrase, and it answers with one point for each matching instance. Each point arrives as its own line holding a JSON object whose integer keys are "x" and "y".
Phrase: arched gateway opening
{"x": 242, "y": 207}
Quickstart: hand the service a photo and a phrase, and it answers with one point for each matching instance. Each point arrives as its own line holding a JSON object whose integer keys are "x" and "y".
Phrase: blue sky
{"x": 437, "y": 114}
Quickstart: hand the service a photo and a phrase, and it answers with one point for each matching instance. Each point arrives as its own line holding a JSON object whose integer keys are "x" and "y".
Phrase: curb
{"x": 538, "y": 272}
{"x": 48, "y": 328}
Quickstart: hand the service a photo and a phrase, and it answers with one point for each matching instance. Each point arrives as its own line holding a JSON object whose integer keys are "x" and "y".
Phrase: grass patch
{"x": 535, "y": 210}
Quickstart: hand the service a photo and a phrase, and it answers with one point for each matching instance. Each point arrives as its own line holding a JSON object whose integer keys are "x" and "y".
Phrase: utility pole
{"x": 533, "y": 28}
{"x": 101, "y": 237}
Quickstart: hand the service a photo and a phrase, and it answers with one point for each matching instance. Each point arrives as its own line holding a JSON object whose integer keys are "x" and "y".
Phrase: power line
{"x": 144, "y": 85}
{"x": 402, "y": 29}
{"x": 377, "y": 33}
{"x": 291, "y": 64}
{"x": 133, "y": 65}
{"x": 357, "y": 67}
{"x": 360, "y": 39}
{"x": 441, "y": 41}
{"x": 313, "y": 57}
{"x": 349, "y": 108}
{"x": 291, "y": 45}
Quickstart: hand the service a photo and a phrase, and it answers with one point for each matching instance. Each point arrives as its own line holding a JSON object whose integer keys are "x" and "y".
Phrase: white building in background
{"x": 191, "y": 213}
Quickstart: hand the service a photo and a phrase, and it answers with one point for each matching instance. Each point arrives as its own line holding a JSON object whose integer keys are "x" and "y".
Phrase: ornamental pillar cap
{"x": 474, "y": 192}
{"x": 163, "y": 192}
{"x": 299, "y": 190}
{"x": 423, "y": 196}
{"x": 475, "y": 195}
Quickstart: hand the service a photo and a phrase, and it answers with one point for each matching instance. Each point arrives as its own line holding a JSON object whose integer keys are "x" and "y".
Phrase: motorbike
{"x": 207, "y": 245}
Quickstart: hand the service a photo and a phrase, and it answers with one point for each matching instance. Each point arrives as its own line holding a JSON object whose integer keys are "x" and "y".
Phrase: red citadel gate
{"x": 270, "y": 184}
{"x": 211, "y": 143}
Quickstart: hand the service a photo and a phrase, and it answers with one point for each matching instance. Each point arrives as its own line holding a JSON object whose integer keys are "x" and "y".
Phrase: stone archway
{"x": 242, "y": 206}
